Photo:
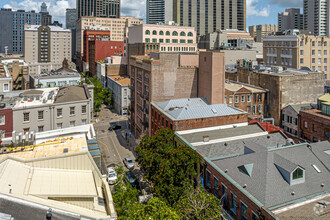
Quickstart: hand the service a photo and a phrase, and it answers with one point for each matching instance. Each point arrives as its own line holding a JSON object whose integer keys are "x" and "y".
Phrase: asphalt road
{"x": 113, "y": 145}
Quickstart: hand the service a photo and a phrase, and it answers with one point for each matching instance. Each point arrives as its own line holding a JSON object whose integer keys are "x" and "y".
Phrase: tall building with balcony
{"x": 46, "y": 45}
{"x": 290, "y": 19}
{"x": 12, "y": 28}
{"x": 98, "y": 8}
{"x": 205, "y": 16}
{"x": 316, "y": 17}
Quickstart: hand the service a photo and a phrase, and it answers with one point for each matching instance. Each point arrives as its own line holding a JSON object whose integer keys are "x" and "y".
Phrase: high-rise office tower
{"x": 46, "y": 18}
{"x": 12, "y": 28}
{"x": 316, "y": 17}
{"x": 98, "y": 8}
{"x": 70, "y": 17}
{"x": 290, "y": 19}
{"x": 205, "y": 15}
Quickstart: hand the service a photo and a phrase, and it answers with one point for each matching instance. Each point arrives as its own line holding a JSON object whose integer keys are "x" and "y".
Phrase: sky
{"x": 258, "y": 11}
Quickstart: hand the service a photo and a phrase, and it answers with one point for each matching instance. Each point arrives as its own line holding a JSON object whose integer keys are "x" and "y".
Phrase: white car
{"x": 112, "y": 175}
{"x": 129, "y": 162}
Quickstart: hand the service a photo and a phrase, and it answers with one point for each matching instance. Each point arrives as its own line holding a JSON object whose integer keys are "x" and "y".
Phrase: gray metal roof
{"x": 192, "y": 108}
{"x": 267, "y": 184}
{"x": 222, "y": 133}
{"x": 301, "y": 107}
{"x": 237, "y": 147}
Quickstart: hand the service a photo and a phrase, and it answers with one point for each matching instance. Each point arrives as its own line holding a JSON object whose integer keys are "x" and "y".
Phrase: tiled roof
{"x": 192, "y": 108}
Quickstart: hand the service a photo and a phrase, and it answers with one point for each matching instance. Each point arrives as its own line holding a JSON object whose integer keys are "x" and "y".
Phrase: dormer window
{"x": 298, "y": 174}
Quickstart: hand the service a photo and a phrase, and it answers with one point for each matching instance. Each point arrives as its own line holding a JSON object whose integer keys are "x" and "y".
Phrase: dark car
{"x": 114, "y": 127}
{"x": 131, "y": 179}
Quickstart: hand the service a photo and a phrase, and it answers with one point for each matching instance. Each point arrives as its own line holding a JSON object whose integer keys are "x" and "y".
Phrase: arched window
{"x": 154, "y": 32}
{"x": 147, "y": 47}
{"x": 161, "y": 33}
{"x": 182, "y": 33}
{"x": 190, "y": 34}
{"x": 168, "y": 33}
{"x": 175, "y": 33}
{"x": 147, "y": 32}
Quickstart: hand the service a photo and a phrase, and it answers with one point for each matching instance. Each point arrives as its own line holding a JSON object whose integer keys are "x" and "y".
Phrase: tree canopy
{"x": 101, "y": 94}
{"x": 168, "y": 167}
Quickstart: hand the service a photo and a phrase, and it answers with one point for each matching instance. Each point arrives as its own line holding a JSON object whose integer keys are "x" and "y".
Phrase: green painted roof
{"x": 325, "y": 98}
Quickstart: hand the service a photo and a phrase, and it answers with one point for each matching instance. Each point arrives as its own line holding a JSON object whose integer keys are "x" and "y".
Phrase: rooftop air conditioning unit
{"x": 277, "y": 69}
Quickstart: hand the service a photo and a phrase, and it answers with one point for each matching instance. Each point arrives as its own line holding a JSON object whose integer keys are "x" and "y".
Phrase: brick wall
{"x": 222, "y": 181}
{"x": 7, "y": 128}
{"x": 313, "y": 126}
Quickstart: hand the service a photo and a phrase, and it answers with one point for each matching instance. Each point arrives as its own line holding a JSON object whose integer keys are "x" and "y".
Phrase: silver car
{"x": 129, "y": 162}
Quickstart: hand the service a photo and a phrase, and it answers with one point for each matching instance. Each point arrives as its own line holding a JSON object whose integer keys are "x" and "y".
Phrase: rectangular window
{"x": 313, "y": 52}
{"x": 236, "y": 99}
{"x": 59, "y": 125}
{"x": 301, "y": 52}
{"x": 313, "y": 43}
{"x": 83, "y": 109}
{"x": 243, "y": 211}
{"x": 325, "y": 60}
{"x": 230, "y": 99}
{"x": 26, "y": 116}
{"x": 72, "y": 123}
{"x": 216, "y": 187}
{"x": 313, "y": 60}
{"x": 224, "y": 194}
{"x": 260, "y": 109}
{"x": 6, "y": 87}
{"x": 319, "y": 61}
{"x": 26, "y": 130}
{"x": 249, "y": 98}
{"x": 301, "y": 60}
{"x": 40, "y": 128}
{"x": 301, "y": 43}
{"x": 319, "y": 52}
{"x": 208, "y": 179}
{"x": 305, "y": 124}
{"x": 147, "y": 40}
{"x": 72, "y": 112}
{"x": 243, "y": 98}
{"x": 59, "y": 112}
{"x": 319, "y": 43}
{"x": 2, "y": 119}
{"x": 325, "y": 52}
{"x": 233, "y": 205}
{"x": 40, "y": 115}
{"x": 83, "y": 122}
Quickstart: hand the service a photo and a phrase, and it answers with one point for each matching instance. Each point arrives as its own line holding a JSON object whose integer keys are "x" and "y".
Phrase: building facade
{"x": 290, "y": 117}
{"x": 116, "y": 26}
{"x": 147, "y": 38}
{"x": 205, "y": 16}
{"x": 121, "y": 93}
{"x": 19, "y": 71}
{"x": 290, "y": 19}
{"x": 12, "y": 26}
{"x": 287, "y": 87}
{"x": 98, "y": 8}
{"x": 52, "y": 108}
{"x": 192, "y": 113}
{"x": 259, "y": 31}
{"x": 46, "y": 18}
{"x": 252, "y": 99}
{"x": 70, "y": 18}
{"x": 164, "y": 77}
{"x": 295, "y": 51}
{"x": 46, "y": 45}
{"x": 316, "y": 17}
{"x": 101, "y": 49}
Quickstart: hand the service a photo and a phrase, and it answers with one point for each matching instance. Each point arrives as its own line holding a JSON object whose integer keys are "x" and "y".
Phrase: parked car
{"x": 114, "y": 127}
{"x": 129, "y": 163}
{"x": 131, "y": 179}
{"x": 112, "y": 175}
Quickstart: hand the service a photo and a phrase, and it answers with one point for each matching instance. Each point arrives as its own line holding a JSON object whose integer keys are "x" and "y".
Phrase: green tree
{"x": 101, "y": 94}
{"x": 168, "y": 167}
{"x": 155, "y": 209}
{"x": 196, "y": 203}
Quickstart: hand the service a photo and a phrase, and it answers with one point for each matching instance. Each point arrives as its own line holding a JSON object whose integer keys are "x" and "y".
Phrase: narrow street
{"x": 113, "y": 145}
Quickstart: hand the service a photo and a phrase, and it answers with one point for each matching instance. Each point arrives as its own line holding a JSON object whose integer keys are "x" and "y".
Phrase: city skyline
{"x": 257, "y": 10}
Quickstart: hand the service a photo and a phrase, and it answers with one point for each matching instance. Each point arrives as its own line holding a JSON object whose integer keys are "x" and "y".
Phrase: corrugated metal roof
{"x": 93, "y": 147}
{"x": 95, "y": 153}
{"x": 91, "y": 141}
{"x": 183, "y": 109}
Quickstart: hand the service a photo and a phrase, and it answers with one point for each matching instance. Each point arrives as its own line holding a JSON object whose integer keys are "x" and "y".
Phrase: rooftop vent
{"x": 214, "y": 111}
{"x": 65, "y": 150}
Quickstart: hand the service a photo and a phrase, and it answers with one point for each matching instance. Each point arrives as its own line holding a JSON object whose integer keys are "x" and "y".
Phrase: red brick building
{"x": 99, "y": 50}
{"x": 252, "y": 99}
{"x": 192, "y": 113}
{"x": 92, "y": 35}
{"x": 314, "y": 124}
{"x": 6, "y": 121}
